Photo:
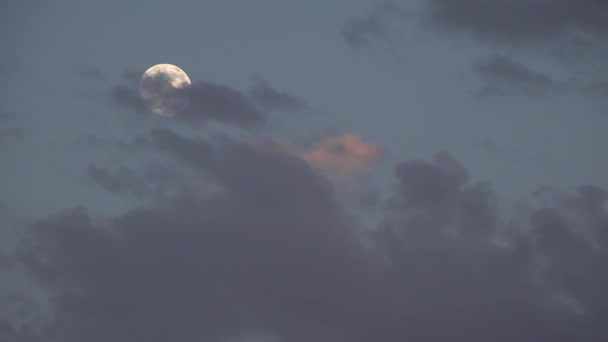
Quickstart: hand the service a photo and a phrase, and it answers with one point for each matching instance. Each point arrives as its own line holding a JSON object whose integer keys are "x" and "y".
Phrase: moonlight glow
{"x": 160, "y": 87}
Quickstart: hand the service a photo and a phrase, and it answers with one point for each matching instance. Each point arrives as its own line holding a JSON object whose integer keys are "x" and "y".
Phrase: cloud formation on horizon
{"x": 275, "y": 253}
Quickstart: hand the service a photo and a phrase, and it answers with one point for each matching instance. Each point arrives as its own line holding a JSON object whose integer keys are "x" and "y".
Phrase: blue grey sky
{"x": 463, "y": 116}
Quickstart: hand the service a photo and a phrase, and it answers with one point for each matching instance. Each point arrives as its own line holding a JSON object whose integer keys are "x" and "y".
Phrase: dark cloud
{"x": 377, "y": 25}
{"x": 504, "y": 76}
{"x": 579, "y": 26}
{"x": 220, "y": 103}
{"x": 128, "y": 96}
{"x": 122, "y": 180}
{"x": 442, "y": 233}
{"x": 265, "y": 96}
{"x": 521, "y": 21}
{"x": 206, "y": 101}
{"x": 574, "y": 33}
{"x": 194, "y": 151}
{"x": 427, "y": 185}
{"x": 274, "y": 252}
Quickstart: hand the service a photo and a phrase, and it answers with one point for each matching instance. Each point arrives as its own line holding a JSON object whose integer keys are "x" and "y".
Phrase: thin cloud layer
{"x": 378, "y": 24}
{"x": 121, "y": 180}
{"x": 141, "y": 182}
{"x": 275, "y": 253}
{"x": 503, "y": 76}
{"x": 269, "y": 98}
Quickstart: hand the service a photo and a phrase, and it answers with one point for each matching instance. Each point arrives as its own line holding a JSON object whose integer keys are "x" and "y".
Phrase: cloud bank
{"x": 274, "y": 253}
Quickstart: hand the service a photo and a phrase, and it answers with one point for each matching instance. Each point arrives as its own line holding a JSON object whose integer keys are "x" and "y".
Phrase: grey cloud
{"x": 546, "y": 276}
{"x": 128, "y": 97}
{"x": 220, "y": 103}
{"x": 521, "y": 21}
{"x": 377, "y": 25}
{"x": 511, "y": 151}
{"x": 276, "y": 253}
{"x": 504, "y": 76}
{"x": 206, "y": 101}
{"x": 267, "y": 97}
{"x": 572, "y": 32}
{"x": 423, "y": 184}
{"x": 573, "y": 242}
{"x": 271, "y": 254}
{"x": 121, "y": 180}
{"x": 194, "y": 151}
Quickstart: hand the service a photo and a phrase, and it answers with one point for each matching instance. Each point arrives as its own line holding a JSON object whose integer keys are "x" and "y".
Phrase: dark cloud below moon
{"x": 274, "y": 252}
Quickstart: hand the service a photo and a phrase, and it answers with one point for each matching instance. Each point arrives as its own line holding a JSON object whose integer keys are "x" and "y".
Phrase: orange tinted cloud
{"x": 344, "y": 153}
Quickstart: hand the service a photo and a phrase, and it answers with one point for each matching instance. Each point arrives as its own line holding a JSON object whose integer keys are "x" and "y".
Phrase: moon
{"x": 160, "y": 88}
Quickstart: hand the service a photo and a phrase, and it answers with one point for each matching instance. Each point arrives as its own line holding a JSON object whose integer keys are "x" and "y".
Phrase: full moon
{"x": 160, "y": 88}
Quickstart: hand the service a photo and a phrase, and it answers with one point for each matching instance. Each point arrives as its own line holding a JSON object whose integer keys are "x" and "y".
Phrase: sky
{"x": 422, "y": 170}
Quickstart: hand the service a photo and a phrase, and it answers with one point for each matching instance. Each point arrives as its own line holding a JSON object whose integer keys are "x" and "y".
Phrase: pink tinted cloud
{"x": 344, "y": 153}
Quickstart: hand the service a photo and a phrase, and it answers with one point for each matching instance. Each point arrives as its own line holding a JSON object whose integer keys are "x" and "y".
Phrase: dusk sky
{"x": 344, "y": 171}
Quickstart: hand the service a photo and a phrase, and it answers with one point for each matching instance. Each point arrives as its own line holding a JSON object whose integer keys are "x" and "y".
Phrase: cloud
{"x": 346, "y": 153}
{"x": 220, "y": 103}
{"x": 377, "y": 25}
{"x": 442, "y": 231}
{"x": 272, "y": 253}
{"x": 194, "y": 151}
{"x": 431, "y": 185}
{"x": 504, "y": 76}
{"x": 573, "y": 33}
{"x": 517, "y": 22}
{"x": 267, "y": 97}
{"x": 571, "y": 25}
{"x": 127, "y": 96}
{"x": 206, "y": 101}
{"x": 123, "y": 180}
{"x": 275, "y": 253}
